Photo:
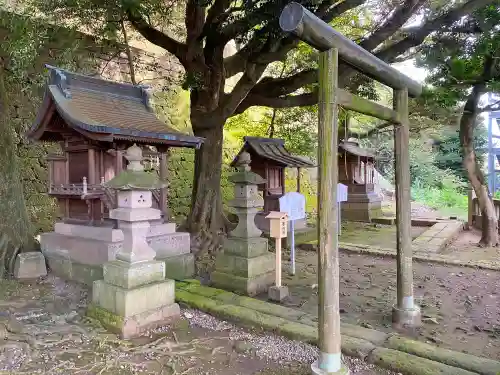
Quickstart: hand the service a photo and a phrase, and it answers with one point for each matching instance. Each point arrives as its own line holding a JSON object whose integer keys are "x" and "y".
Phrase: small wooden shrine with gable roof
{"x": 357, "y": 171}
{"x": 269, "y": 158}
{"x": 94, "y": 120}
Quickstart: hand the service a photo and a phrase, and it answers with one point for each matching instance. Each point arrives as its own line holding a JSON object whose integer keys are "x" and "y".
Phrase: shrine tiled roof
{"x": 274, "y": 150}
{"x": 104, "y": 110}
{"x": 354, "y": 149}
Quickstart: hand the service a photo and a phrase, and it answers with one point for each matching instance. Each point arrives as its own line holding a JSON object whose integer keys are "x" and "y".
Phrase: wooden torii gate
{"x": 332, "y": 45}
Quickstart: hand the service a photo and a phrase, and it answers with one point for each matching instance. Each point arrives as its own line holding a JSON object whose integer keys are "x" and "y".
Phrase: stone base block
{"x": 67, "y": 269}
{"x": 315, "y": 370}
{"x": 135, "y": 325}
{"x": 245, "y": 267}
{"x": 69, "y": 254}
{"x": 172, "y": 244}
{"x": 406, "y": 317}
{"x": 246, "y": 247}
{"x": 243, "y": 285}
{"x": 130, "y": 302}
{"x": 180, "y": 267}
{"x": 30, "y": 265}
{"x": 278, "y": 293}
{"x": 361, "y": 211}
{"x": 126, "y": 275}
{"x": 79, "y": 249}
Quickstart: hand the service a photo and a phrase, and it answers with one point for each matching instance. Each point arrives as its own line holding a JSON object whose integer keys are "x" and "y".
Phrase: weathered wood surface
{"x": 403, "y": 207}
{"x": 366, "y": 107}
{"x": 309, "y": 28}
{"x": 328, "y": 260}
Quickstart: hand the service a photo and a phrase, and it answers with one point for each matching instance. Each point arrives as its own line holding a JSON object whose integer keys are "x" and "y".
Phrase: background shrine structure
{"x": 269, "y": 158}
{"x": 357, "y": 171}
{"x": 94, "y": 120}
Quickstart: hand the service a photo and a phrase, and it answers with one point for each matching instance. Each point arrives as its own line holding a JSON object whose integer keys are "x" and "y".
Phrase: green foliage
{"x": 448, "y": 198}
{"x": 456, "y": 60}
{"x": 449, "y": 152}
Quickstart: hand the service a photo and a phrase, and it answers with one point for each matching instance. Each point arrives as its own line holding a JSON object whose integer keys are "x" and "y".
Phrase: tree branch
{"x": 288, "y": 101}
{"x": 492, "y": 107}
{"x": 194, "y": 21}
{"x": 397, "y": 19}
{"x": 415, "y": 38}
{"x": 236, "y": 63}
{"x": 270, "y": 87}
{"x": 158, "y": 38}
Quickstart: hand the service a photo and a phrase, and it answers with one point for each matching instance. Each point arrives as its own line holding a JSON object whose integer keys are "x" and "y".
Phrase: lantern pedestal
{"x": 134, "y": 295}
{"x": 246, "y": 266}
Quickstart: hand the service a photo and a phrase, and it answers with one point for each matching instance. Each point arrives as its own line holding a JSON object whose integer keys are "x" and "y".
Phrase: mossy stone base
{"x": 131, "y": 275}
{"x": 179, "y": 267}
{"x": 67, "y": 269}
{"x": 246, "y": 247}
{"x": 245, "y": 267}
{"x": 134, "y": 301}
{"x": 243, "y": 285}
{"x": 135, "y": 325}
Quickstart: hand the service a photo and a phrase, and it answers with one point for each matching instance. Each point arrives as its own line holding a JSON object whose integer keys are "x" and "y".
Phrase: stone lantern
{"x": 134, "y": 295}
{"x": 245, "y": 266}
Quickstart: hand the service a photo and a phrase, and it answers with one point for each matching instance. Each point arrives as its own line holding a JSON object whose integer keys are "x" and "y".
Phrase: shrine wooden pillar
{"x": 91, "y": 178}
{"x": 405, "y": 312}
{"x": 298, "y": 180}
{"x": 164, "y": 157}
{"x": 118, "y": 161}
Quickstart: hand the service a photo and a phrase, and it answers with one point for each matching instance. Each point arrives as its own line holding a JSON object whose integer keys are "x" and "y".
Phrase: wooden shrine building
{"x": 269, "y": 158}
{"x": 357, "y": 171}
{"x": 94, "y": 120}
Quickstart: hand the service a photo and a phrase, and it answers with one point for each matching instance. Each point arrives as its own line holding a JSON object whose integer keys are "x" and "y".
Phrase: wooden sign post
{"x": 294, "y": 204}
{"x": 278, "y": 229}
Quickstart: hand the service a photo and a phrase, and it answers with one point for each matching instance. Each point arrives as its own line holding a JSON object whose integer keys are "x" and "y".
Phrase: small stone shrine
{"x": 93, "y": 121}
{"x": 245, "y": 266}
{"x": 356, "y": 170}
{"x": 134, "y": 295}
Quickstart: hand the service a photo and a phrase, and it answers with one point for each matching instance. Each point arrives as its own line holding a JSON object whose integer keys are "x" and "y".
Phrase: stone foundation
{"x": 77, "y": 252}
{"x": 179, "y": 267}
{"x": 134, "y": 325}
{"x": 361, "y": 207}
{"x": 245, "y": 267}
{"x": 243, "y": 285}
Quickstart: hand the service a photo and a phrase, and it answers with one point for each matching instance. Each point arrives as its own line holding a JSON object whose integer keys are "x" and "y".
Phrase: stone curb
{"x": 433, "y": 258}
{"x": 389, "y": 351}
{"x": 462, "y": 360}
{"x": 410, "y": 364}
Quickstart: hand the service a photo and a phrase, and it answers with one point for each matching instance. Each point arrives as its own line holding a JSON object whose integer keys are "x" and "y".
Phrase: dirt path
{"x": 461, "y": 306}
{"x": 47, "y": 333}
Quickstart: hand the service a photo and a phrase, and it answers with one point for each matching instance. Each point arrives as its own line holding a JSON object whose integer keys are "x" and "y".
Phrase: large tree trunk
{"x": 489, "y": 236}
{"x": 206, "y": 219}
{"x": 15, "y": 227}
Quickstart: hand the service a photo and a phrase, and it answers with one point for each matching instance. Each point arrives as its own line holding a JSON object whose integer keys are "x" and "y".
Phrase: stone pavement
{"x": 435, "y": 239}
{"x": 390, "y": 351}
{"x": 422, "y": 256}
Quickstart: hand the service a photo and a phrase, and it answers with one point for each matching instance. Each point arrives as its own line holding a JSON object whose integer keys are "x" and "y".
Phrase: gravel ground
{"x": 276, "y": 348}
{"x": 50, "y": 315}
